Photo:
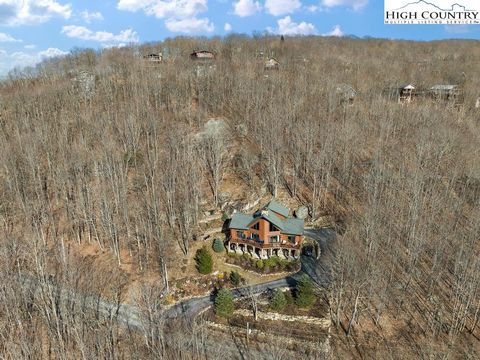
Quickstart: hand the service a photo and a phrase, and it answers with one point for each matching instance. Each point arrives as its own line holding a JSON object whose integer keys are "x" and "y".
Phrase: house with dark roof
{"x": 270, "y": 231}
{"x": 202, "y": 55}
{"x": 153, "y": 58}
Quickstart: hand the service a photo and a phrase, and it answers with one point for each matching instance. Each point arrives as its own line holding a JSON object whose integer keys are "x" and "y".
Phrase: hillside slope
{"x": 109, "y": 165}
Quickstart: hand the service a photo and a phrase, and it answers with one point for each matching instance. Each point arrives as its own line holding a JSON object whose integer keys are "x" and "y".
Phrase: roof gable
{"x": 272, "y": 218}
{"x": 290, "y": 226}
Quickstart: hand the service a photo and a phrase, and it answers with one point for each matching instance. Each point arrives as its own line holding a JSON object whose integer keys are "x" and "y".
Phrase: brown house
{"x": 268, "y": 232}
{"x": 202, "y": 55}
{"x": 154, "y": 58}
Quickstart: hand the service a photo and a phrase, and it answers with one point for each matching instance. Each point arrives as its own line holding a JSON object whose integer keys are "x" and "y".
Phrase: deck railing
{"x": 263, "y": 245}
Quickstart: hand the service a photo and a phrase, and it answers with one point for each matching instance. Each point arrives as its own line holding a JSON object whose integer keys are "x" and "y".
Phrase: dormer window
{"x": 256, "y": 226}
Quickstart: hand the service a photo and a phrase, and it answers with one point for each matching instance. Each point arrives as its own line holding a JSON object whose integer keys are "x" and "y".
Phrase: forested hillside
{"x": 107, "y": 170}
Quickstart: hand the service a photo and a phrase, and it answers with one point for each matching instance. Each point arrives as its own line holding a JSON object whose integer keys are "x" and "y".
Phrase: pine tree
{"x": 224, "y": 305}
{"x": 304, "y": 295}
{"x": 204, "y": 261}
{"x": 218, "y": 246}
{"x": 278, "y": 300}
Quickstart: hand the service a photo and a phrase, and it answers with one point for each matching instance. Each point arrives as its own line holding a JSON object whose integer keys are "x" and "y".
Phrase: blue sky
{"x": 32, "y": 30}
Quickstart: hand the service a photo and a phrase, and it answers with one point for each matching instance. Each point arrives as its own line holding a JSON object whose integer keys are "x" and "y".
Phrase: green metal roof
{"x": 240, "y": 221}
{"x": 277, "y": 207}
{"x": 291, "y": 226}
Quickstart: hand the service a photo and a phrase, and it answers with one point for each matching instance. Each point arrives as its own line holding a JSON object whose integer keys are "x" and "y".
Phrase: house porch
{"x": 262, "y": 253}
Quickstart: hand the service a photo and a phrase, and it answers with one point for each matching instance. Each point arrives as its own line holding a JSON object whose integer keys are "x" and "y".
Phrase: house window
{"x": 274, "y": 239}
{"x": 256, "y": 237}
{"x": 273, "y": 228}
{"x": 240, "y": 235}
{"x": 256, "y": 226}
{"x": 291, "y": 239}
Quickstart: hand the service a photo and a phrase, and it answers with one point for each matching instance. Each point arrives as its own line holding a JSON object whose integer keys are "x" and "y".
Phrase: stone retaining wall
{"x": 325, "y": 323}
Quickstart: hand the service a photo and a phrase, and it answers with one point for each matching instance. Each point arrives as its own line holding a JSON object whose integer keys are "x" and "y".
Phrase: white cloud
{"x": 288, "y": 27}
{"x": 30, "y": 46}
{"x": 23, "y": 59}
{"x": 457, "y": 29}
{"x": 336, "y": 31}
{"x": 51, "y": 52}
{"x": 354, "y": 4}
{"x": 83, "y": 33}
{"x": 110, "y": 46}
{"x": 8, "y": 38}
{"x": 31, "y": 12}
{"x": 245, "y": 8}
{"x": 189, "y": 25}
{"x": 282, "y": 7}
{"x": 227, "y": 27}
{"x": 179, "y": 15}
{"x": 165, "y": 8}
{"x": 91, "y": 16}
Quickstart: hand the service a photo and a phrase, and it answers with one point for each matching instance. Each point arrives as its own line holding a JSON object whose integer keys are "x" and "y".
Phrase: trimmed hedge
{"x": 235, "y": 278}
{"x": 264, "y": 266}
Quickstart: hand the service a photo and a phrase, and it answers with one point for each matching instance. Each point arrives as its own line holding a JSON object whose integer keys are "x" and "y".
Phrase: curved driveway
{"x": 317, "y": 269}
{"x": 131, "y": 315}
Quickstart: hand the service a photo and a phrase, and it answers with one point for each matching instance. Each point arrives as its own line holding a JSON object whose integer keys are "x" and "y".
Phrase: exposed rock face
{"x": 215, "y": 128}
{"x": 301, "y": 212}
{"x": 230, "y": 207}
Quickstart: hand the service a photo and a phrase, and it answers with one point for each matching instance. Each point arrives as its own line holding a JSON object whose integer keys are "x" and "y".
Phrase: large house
{"x": 269, "y": 231}
{"x": 202, "y": 55}
{"x": 449, "y": 93}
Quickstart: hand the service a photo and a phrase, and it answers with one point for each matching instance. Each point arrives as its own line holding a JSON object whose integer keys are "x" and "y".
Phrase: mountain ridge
{"x": 431, "y": 4}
